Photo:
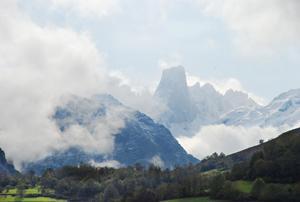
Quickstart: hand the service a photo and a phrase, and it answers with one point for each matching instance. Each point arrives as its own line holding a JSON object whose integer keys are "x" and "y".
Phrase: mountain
{"x": 174, "y": 92}
{"x": 190, "y": 107}
{"x": 209, "y": 102}
{"x": 139, "y": 140}
{"x": 5, "y": 167}
{"x": 282, "y": 110}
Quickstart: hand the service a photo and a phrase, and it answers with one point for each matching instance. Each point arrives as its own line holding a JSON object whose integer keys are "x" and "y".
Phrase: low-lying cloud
{"x": 109, "y": 164}
{"x": 227, "y": 139}
{"x": 39, "y": 65}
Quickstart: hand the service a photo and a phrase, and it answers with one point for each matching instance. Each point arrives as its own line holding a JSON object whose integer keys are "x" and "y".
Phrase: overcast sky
{"x": 53, "y": 48}
{"x": 253, "y": 41}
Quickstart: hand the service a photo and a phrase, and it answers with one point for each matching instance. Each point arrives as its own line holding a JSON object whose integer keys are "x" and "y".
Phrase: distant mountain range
{"x": 141, "y": 140}
{"x": 282, "y": 110}
{"x": 190, "y": 107}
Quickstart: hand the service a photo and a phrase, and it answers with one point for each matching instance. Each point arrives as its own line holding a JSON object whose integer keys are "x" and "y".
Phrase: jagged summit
{"x": 172, "y": 80}
{"x": 238, "y": 98}
{"x": 208, "y": 87}
{"x": 174, "y": 92}
{"x": 190, "y": 107}
{"x": 176, "y": 74}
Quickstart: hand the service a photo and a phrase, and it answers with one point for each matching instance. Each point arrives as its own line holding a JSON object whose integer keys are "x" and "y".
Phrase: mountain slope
{"x": 245, "y": 155}
{"x": 5, "y": 167}
{"x": 139, "y": 140}
{"x": 282, "y": 110}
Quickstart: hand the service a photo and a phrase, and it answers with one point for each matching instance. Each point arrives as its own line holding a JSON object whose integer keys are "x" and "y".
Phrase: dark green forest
{"x": 273, "y": 171}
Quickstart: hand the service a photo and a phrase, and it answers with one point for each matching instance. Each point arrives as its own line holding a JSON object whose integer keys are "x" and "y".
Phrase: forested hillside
{"x": 271, "y": 174}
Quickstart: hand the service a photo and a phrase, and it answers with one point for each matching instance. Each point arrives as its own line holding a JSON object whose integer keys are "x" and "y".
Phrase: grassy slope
{"x": 243, "y": 186}
{"x": 246, "y": 154}
{"x": 36, "y": 199}
{"x": 30, "y": 191}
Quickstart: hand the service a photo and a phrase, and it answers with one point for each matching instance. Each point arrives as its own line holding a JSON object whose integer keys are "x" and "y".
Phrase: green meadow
{"x": 194, "y": 199}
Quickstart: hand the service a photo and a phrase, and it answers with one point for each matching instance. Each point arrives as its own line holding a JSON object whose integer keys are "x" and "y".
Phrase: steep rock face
{"x": 174, "y": 92}
{"x": 189, "y": 108}
{"x": 5, "y": 167}
{"x": 236, "y": 99}
{"x": 282, "y": 110}
{"x": 140, "y": 140}
{"x": 209, "y": 102}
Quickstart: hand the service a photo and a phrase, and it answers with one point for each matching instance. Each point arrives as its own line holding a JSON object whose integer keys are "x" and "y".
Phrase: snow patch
{"x": 157, "y": 161}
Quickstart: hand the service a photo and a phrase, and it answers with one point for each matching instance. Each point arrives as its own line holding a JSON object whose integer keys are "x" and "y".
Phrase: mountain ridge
{"x": 243, "y": 156}
{"x": 190, "y": 107}
{"x": 141, "y": 140}
{"x": 282, "y": 110}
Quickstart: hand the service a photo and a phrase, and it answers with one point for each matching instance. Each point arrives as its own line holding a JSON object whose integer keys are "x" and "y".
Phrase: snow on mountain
{"x": 282, "y": 110}
{"x": 138, "y": 140}
{"x": 190, "y": 107}
{"x": 209, "y": 102}
{"x": 235, "y": 99}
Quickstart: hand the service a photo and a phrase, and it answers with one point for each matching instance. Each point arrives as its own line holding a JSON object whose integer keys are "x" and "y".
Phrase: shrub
{"x": 216, "y": 186}
{"x": 258, "y": 186}
{"x": 275, "y": 192}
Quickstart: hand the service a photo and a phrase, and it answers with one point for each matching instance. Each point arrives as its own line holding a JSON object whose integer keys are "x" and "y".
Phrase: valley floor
{"x": 30, "y": 195}
{"x": 195, "y": 199}
{"x": 28, "y": 199}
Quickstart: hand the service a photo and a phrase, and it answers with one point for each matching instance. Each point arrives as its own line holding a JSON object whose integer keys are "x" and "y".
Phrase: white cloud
{"x": 98, "y": 135}
{"x": 262, "y": 27}
{"x": 171, "y": 60}
{"x": 39, "y": 65}
{"x": 134, "y": 95}
{"x": 227, "y": 139}
{"x": 87, "y": 8}
{"x": 157, "y": 161}
{"x": 109, "y": 164}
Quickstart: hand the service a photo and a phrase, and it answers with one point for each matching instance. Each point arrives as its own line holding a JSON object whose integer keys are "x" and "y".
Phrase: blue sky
{"x": 214, "y": 40}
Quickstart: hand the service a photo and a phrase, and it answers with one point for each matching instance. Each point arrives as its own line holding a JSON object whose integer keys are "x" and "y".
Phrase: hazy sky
{"x": 254, "y": 41}
{"x": 53, "y": 48}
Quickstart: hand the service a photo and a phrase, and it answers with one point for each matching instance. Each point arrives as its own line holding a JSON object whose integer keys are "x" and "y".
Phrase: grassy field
{"x": 196, "y": 199}
{"x": 213, "y": 172}
{"x": 32, "y": 199}
{"x": 30, "y": 191}
{"x": 243, "y": 186}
